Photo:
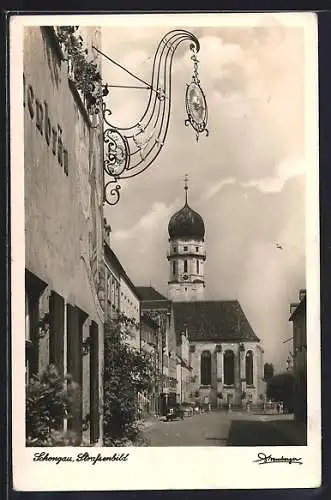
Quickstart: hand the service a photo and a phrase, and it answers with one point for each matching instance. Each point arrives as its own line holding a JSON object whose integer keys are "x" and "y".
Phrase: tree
{"x": 281, "y": 388}
{"x": 127, "y": 371}
{"x": 50, "y": 399}
{"x": 268, "y": 371}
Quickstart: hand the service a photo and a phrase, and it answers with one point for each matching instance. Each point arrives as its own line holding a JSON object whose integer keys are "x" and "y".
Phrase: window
{"x": 175, "y": 249}
{"x": 185, "y": 266}
{"x": 197, "y": 249}
{"x": 198, "y": 267}
{"x": 249, "y": 367}
{"x": 228, "y": 367}
{"x": 185, "y": 248}
{"x": 174, "y": 268}
{"x": 205, "y": 368}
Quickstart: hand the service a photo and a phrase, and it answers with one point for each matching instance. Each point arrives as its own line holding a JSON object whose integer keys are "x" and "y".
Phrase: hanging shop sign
{"x": 51, "y": 131}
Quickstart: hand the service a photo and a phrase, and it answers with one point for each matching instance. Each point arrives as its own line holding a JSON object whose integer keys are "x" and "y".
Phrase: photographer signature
{"x": 268, "y": 459}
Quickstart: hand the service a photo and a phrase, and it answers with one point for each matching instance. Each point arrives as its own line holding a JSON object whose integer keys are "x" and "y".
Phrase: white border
{"x": 168, "y": 468}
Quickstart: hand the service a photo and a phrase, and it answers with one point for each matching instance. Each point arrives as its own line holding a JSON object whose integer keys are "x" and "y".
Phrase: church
{"x": 225, "y": 355}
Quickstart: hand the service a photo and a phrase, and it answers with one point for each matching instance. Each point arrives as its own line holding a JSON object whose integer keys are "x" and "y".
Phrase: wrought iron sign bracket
{"x": 129, "y": 151}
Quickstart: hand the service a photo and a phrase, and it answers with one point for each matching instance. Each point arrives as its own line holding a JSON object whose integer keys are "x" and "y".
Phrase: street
{"x": 226, "y": 429}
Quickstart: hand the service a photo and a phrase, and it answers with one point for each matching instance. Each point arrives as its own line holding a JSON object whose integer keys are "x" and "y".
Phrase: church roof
{"x": 186, "y": 223}
{"x": 215, "y": 321}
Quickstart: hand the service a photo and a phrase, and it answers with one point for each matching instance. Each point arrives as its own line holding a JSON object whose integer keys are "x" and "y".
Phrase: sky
{"x": 247, "y": 179}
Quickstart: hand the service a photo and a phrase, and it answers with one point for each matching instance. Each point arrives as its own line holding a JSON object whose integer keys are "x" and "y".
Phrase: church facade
{"x": 225, "y": 355}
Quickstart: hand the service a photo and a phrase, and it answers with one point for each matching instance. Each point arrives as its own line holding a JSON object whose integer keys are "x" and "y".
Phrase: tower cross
{"x": 186, "y": 186}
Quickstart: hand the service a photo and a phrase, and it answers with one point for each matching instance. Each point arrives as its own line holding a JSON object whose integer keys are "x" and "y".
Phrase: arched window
{"x": 206, "y": 368}
{"x": 174, "y": 267}
{"x": 228, "y": 368}
{"x": 185, "y": 266}
{"x": 249, "y": 367}
{"x": 198, "y": 269}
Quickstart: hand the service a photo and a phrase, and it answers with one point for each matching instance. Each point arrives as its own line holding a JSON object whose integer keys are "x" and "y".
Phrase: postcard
{"x": 165, "y": 252}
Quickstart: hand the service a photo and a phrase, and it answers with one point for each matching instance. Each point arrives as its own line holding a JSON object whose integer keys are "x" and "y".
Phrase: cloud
{"x": 216, "y": 188}
{"x": 287, "y": 169}
{"x": 158, "y": 213}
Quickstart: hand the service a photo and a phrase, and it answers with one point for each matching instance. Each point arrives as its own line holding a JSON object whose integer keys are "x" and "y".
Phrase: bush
{"x": 127, "y": 371}
{"x": 49, "y": 399}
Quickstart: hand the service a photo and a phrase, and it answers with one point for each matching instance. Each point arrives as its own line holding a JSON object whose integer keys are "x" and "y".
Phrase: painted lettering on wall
{"x": 39, "y": 112}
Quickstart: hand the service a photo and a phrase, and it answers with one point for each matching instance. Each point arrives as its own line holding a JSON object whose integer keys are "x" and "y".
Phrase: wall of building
{"x": 300, "y": 359}
{"x": 63, "y": 199}
{"x": 217, "y": 386}
{"x": 130, "y": 307}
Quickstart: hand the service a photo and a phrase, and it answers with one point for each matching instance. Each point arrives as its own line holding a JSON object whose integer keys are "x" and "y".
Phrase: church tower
{"x": 186, "y": 254}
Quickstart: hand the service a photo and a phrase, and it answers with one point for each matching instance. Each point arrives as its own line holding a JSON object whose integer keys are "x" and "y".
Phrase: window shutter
{"x": 56, "y": 339}
{"x": 94, "y": 383}
{"x": 74, "y": 365}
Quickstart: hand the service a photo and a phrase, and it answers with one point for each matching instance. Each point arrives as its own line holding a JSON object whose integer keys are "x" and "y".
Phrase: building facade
{"x": 298, "y": 319}
{"x": 184, "y": 369}
{"x": 63, "y": 153}
{"x": 151, "y": 343}
{"x": 161, "y": 311}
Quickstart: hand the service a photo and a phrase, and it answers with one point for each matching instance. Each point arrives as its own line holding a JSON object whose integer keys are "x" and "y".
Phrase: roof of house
{"x": 112, "y": 259}
{"x": 298, "y": 308}
{"x": 148, "y": 293}
{"x": 218, "y": 321}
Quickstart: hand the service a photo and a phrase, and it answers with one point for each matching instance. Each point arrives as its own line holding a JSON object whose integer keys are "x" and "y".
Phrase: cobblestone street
{"x": 226, "y": 429}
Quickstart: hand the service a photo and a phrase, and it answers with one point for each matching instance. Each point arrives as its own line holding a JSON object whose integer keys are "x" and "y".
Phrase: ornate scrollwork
{"x": 116, "y": 152}
{"x": 112, "y": 192}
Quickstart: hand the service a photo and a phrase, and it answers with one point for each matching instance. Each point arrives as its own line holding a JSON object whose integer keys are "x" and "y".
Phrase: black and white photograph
{"x": 165, "y": 235}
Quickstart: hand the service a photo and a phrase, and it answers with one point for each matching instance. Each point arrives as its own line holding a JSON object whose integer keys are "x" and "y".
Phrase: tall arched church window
{"x": 198, "y": 268}
{"x": 249, "y": 367}
{"x": 174, "y": 267}
{"x": 228, "y": 367}
{"x": 206, "y": 368}
{"x": 185, "y": 266}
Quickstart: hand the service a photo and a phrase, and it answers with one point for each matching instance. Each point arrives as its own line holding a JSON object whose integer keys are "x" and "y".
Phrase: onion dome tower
{"x": 186, "y": 254}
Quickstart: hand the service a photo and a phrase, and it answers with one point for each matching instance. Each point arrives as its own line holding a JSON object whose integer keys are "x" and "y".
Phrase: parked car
{"x": 175, "y": 412}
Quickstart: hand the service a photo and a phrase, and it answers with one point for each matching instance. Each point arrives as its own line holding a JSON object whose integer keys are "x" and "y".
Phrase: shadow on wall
{"x": 53, "y": 61}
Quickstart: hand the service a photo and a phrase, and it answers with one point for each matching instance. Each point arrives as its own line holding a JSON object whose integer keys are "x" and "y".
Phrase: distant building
{"x": 298, "y": 318}
{"x": 121, "y": 294}
{"x": 151, "y": 343}
{"x": 225, "y": 356}
{"x": 160, "y": 310}
{"x": 184, "y": 368}
{"x": 225, "y": 353}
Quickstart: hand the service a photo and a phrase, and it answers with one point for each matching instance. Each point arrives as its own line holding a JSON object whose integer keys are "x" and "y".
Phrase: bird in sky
{"x": 279, "y": 246}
